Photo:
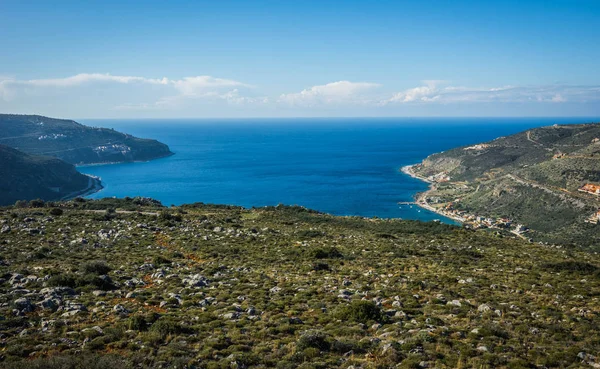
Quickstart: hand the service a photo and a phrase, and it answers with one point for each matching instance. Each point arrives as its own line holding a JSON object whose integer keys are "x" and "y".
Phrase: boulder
{"x": 24, "y": 305}
{"x": 196, "y": 280}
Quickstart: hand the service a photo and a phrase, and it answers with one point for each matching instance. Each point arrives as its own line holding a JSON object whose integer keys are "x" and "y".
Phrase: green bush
{"x": 62, "y": 280}
{"x": 313, "y": 339}
{"x": 138, "y": 323}
{"x": 160, "y": 260}
{"x": 98, "y": 267}
{"x": 96, "y": 281}
{"x": 165, "y": 327}
{"x": 571, "y": 266}
{"x": 56, "y": 211}
{"x": 326, "y": 253}
{"x": 37, "y": 203}
{"x": 166, "y": 215}
{"x": 360, "y": 311}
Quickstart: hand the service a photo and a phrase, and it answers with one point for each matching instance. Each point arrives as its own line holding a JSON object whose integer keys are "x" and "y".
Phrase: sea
{"x": 342, "y": 166}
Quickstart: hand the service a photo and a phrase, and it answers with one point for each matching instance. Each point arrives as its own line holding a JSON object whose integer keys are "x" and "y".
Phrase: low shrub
{"x": 313, "y": 339}
{"x": 98, "y": 267}
{"x": 326, "y": 253}
{"x": 360, "y": 311}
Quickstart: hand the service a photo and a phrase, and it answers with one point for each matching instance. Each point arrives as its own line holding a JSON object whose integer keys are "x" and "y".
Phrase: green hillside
{"x": 532, "y": 178}
{"x": 75, "y": 143}
{"x": 27, "y": 177}
{"x": 131, "y": 284}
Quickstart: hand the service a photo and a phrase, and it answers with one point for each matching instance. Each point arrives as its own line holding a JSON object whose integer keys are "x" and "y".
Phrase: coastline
{"x": 94, "y": 185}
{"x": 420, "y": 198}
{"x": 122, "y": 162}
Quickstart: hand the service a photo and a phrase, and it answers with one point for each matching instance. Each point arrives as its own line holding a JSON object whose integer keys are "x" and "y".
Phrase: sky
{"x": 206, "y": 59}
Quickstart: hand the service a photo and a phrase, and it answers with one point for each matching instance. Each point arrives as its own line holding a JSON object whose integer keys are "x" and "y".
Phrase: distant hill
{"x": 532, "y": 178}
{"x": 27, "y": 177}
{"x": 75, "y": 143}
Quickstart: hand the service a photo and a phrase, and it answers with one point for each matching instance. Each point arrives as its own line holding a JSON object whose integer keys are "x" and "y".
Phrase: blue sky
{"x": 111, "y": 59}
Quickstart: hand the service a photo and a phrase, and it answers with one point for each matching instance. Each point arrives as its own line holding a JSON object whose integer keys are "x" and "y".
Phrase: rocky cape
{"x": 75, "y": 143}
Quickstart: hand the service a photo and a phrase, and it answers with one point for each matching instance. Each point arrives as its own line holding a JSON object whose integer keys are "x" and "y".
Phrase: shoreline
{"x": 422, "y": 196}
{"x": 121, "y": 162}
{"x": 94, "y": 185}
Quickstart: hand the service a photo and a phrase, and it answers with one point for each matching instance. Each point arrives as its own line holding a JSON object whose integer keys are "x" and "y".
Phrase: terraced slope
{"x": 532, "y": 178}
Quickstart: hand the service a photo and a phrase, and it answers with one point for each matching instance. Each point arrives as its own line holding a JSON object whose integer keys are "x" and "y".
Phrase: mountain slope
{"x": 75, "y": 143}
{"x": 27, "y": 177}
{"x": 137, "y": 285}
{"x": 532, "y": 178}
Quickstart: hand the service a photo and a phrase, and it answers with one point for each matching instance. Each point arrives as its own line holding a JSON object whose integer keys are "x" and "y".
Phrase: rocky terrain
{"x": 27, "y": 177}
{"x": 129, "y": 283}
{"x": 532, "y": 178}
{"x": 75, "y": 143}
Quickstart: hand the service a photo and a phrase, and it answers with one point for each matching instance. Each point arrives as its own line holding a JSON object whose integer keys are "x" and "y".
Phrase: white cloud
{"x": 80, "y": 79}
{"x": 173, "y": 90}
{"x": 433, "y": 92}
{"x": 335, "y": 92}
{"x": 186, "y": 86}
{"x": 429, "y": 92}
{"x": 206, "y": 93}
{"x": 200, "y": 84}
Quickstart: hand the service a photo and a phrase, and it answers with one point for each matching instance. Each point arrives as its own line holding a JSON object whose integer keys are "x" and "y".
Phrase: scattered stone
{"x": 454, "y": 303}
{"x": 275, "y": 289}
{"x": 231, "y": 316}
{"x": 196, "y": 280}
{"x": 120, "y": 309}
{"x": 24, "y": 305}
{"x": 50, "y": 303}
{"x": 484, "y": 308}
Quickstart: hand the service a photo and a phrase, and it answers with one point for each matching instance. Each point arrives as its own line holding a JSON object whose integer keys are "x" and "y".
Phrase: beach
{"x": 421, "y": 197}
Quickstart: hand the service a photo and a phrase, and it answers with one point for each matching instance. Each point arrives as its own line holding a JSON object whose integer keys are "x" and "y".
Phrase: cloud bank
{"x": 435, "y": 92}
{"x": 331, "y": 93}
{"x": 202, "y": 93}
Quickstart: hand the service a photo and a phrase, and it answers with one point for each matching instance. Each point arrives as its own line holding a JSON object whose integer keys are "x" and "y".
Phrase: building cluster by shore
{"x": 448, "y": 209}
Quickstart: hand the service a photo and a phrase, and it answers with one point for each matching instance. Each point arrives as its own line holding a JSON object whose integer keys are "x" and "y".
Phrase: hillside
{"x": 75, "y": 143}
{"x": 531, "y": 178}
{"x": 129, "y": 283}
{"x": 27, "y": 177}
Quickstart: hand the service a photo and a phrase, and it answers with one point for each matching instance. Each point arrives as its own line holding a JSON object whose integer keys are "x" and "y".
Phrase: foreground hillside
{"x": 124, "y": 283}
{"x": 27, "y": 177}
{"x": 75, "y": 143}
{"x": 532, "y": 178}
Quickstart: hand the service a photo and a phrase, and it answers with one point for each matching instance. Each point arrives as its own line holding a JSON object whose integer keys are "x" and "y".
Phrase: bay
{"x": 342, "y": 166}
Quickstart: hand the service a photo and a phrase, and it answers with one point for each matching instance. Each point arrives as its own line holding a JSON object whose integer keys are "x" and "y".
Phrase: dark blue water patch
{"x": 339, "y": 166}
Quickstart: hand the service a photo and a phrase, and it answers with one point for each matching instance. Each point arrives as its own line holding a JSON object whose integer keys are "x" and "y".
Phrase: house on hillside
{"x": 591, "y": 188}
{"x": 594, "y": 218}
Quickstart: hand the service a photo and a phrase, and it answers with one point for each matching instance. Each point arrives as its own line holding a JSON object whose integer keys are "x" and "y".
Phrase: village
{"x": 475, "y": 221}
{"x": 471, "y": 220}
{"x": 450, "y": 209}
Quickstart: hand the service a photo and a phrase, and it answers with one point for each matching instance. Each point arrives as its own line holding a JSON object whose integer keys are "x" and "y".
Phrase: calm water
{"x": 339, "y": 166}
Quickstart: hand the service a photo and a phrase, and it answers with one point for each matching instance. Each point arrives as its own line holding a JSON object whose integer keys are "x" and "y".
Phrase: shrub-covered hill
{"x": 27, "y": 177}
{"x": 129, "y": 283}
{"x": 75, "y": 143}
{"x": 532, "y": 178}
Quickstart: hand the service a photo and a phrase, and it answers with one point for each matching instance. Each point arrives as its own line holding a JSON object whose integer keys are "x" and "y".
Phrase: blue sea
{"x": 339, "y": 166}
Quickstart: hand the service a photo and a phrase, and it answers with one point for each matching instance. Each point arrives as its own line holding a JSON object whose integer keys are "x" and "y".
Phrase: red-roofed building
{"x": 591, "y": 188}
